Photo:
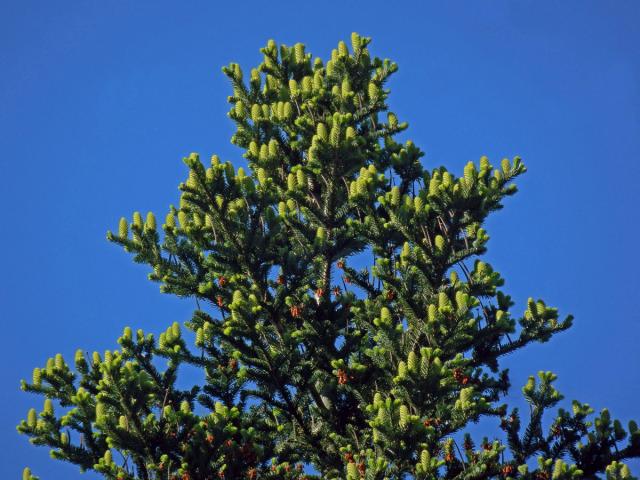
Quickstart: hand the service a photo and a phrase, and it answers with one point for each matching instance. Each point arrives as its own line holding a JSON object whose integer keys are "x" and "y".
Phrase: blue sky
{"x": 99, "y": 102}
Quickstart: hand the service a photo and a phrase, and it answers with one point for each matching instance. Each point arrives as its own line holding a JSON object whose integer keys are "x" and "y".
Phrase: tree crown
{"x": 346, "y": 319}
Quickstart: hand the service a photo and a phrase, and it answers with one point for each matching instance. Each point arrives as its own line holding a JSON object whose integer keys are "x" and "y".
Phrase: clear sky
{"x": 99, "y": 102}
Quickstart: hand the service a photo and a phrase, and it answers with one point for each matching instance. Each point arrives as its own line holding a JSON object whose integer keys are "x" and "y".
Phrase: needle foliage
{"x": 349, "y": 325}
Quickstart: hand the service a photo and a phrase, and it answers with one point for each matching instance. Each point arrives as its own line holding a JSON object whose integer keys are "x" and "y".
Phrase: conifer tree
{"x": 348, "y": 324}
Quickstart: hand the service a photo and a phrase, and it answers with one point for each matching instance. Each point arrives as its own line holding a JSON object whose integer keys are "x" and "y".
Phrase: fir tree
{"x": 310, "y": 359}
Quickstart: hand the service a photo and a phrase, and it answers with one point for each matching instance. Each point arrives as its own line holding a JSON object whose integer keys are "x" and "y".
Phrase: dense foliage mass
{"x": 346, "y": 325}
